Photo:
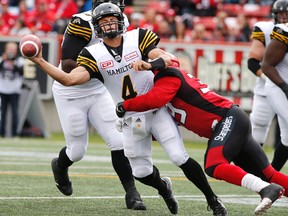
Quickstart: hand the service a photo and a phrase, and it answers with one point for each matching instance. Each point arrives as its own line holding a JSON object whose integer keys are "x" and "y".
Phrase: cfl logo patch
{"x": 106, "y": 64}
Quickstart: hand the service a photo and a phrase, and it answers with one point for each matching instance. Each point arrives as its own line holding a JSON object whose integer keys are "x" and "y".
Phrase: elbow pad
{"x": 253, "y": 65}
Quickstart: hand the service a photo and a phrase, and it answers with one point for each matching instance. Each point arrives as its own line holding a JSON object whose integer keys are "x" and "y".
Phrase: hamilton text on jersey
{"x": 119, "y": 70}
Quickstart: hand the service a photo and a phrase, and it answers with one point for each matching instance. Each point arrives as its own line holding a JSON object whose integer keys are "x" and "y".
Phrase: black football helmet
{"x": 119, "y": 3}
{"x": 104, "y": 10}
{"x": 279, "y": 6}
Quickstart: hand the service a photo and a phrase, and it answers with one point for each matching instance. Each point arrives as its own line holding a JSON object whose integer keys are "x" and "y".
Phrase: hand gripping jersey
{"x": 261, "y": 32}
{"x": 114, "y": 66}
{"x": 81, "y": 27}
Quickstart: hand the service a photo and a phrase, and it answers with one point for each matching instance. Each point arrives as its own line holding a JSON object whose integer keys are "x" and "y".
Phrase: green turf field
{"x": 27, "y": 186}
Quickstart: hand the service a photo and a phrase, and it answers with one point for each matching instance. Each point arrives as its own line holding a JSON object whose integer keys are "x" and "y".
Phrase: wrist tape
{"x": 158, "y": 64}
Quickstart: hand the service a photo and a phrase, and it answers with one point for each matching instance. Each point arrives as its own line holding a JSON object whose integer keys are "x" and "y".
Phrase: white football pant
{"x": 137, "y": 136}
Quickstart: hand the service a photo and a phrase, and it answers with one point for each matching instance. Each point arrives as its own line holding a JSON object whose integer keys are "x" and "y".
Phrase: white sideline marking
{"x": 237, "y": 199}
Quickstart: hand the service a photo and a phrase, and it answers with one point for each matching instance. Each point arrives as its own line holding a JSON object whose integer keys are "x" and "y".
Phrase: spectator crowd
{"x": 176, "y": 20}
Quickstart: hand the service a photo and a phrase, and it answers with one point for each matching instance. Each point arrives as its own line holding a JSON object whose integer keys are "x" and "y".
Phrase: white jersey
{"x": 116, "y": 71}
{"x": 280, "y": 32}
{"x": 78, "y": 27}
{"x": 261, "y": 32}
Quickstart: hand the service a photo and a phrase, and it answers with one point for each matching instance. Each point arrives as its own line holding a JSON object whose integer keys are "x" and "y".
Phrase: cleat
{"x": 169, "y": 199}
{"x": 218, "y": 208}
{"x": 269, "y": 195}
{"x": 134, "y": 201}
{"x": 61, "y": 178}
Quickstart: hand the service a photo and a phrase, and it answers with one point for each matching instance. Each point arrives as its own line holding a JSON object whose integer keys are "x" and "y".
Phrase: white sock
{"x": 253, "y": 183}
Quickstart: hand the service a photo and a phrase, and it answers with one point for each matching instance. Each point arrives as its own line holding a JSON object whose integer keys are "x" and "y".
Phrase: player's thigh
{"x": 167, "y": 133}
{"x": 137, "y": 141}
{"x": 137, "y": 137}
{"x": 283, "y": 130}
{"x": 72, "y": 115}
{"x": 262, "y": 112}
{"x": 279, "y": 102}
{"x": 103, "y": 117}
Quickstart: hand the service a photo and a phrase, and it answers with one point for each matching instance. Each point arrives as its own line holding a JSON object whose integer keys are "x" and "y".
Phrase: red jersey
{"x": 191, "y": 103}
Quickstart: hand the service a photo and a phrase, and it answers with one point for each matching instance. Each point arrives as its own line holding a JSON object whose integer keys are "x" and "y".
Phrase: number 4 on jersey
{"x": 128, "y": 89}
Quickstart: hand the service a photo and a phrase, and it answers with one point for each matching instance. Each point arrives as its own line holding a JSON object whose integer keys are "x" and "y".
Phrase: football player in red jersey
{"x": 227, "y": 127}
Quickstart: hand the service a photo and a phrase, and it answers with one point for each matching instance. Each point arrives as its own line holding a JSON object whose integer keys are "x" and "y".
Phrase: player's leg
{"x": 74, "y": 123}
{"x": 280, "y": 151}
{"x": 138, "y": 148}
{"x": 279, "y": 103}
{"x": 231, "y": 136}
{"x": 4, "y": 106}
{"x": 261, "y": 117}
{"x": 248, "y": 163}
{"x": 168, "y": 135}
{"x": 102, "y": 116}
{"x": 14, "y": 99}
{"x": 269, "y": 171}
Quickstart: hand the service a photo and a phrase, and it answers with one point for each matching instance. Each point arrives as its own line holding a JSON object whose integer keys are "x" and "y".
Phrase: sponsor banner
{"x": 223, "y": 66}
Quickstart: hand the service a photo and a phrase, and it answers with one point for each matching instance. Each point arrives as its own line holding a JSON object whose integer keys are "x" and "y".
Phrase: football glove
{"x": 120, "y": 111}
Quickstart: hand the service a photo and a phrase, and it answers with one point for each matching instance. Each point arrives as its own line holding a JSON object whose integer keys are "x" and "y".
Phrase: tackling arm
{"x": 163, "y": 91}
{"x": 159, "y": 61}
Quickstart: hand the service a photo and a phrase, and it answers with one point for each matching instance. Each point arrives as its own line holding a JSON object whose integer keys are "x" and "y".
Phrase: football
{"x": 30, "y": 46}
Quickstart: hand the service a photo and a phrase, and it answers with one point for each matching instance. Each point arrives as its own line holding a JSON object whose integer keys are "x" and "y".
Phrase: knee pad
{"x": 141, "y": 172}
{"x": 141, "y": 167}
{"x": 179, "y": 160}
{"x": 76, "y": 154}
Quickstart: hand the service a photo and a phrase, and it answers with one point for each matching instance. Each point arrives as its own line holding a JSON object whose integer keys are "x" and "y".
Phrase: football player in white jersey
{"x": 90, "y": 102}
{"x": 275, "y": 67}
{"x": 112, "y": 61}
{"x": 262, "y": 113}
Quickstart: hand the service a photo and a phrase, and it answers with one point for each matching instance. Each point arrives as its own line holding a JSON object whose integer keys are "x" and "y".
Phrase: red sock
{"x": 277, "y": 177}
{"x": 229, "y": 173}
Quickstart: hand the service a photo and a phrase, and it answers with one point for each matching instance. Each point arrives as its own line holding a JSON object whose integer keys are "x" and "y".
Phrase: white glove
{"x": 118, "y": 124}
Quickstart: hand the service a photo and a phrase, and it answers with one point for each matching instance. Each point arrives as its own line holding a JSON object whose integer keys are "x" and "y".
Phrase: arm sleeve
{"x": 257, "y": 34}
{"x": 77, "y": 35}
{"x": 162, "y": 93}
{"x": 148, "y": 40}
{"x": 72, "y": 46}
{"x": 86, "y": 60}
